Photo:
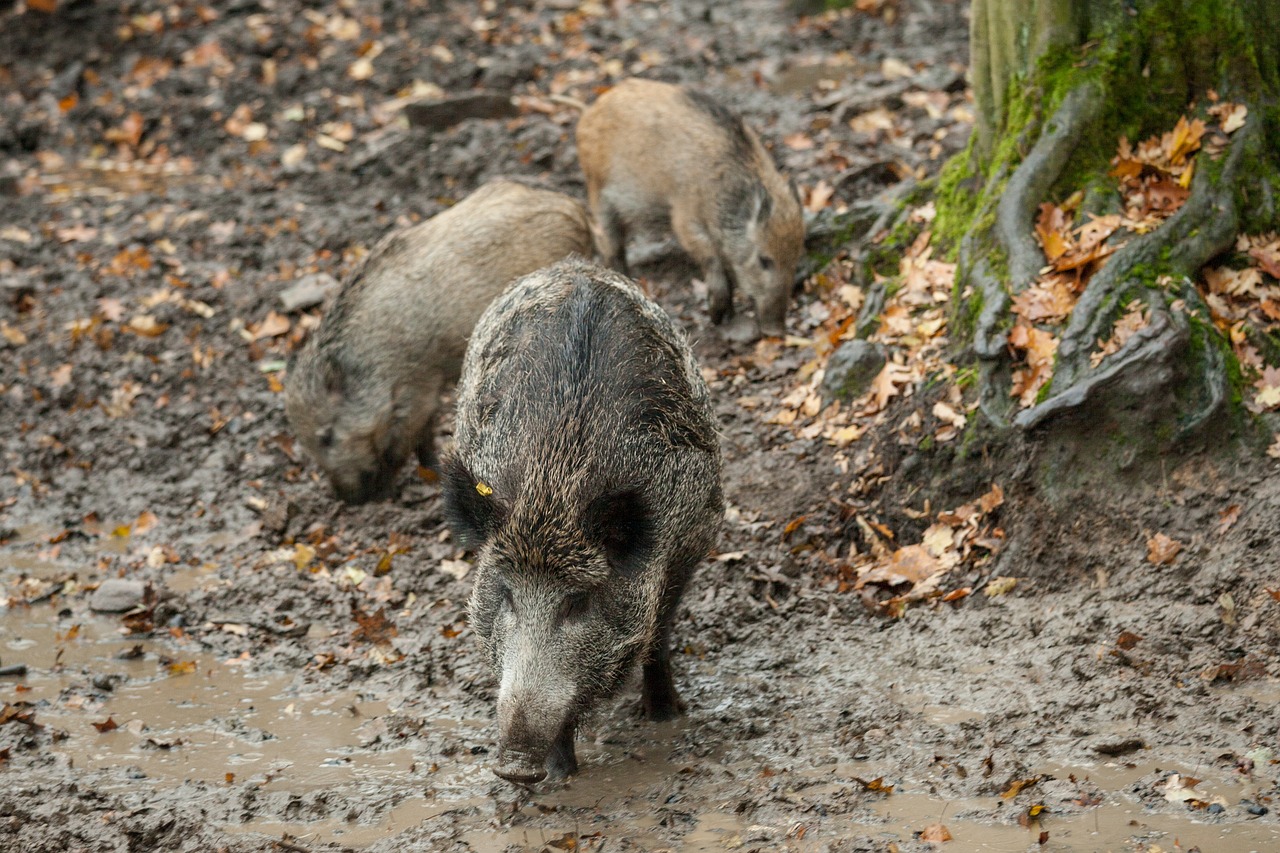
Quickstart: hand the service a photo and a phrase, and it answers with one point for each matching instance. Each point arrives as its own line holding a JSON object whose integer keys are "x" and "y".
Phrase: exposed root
{"x": 1031, "y": 181}
{"x": 989, "y": 344}
{"x": 1205, "y": 226}
{"x": 1142, "y": 366}
{"x": 1148, "y": 362}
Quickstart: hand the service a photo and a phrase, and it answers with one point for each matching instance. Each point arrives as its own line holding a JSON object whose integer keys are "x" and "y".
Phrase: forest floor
{"x": 299, "y": 675}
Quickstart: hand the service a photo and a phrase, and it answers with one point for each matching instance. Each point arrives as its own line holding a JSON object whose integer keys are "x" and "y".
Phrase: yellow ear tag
{"x": 483, "y": 489}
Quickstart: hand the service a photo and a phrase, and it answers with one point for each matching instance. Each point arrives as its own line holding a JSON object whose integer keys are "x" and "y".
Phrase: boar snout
{"x": 519, "y": 767}
{"x": 533, "y": 746}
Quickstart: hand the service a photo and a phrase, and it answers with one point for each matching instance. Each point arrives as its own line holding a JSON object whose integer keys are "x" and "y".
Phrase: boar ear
{"x": 468, "y": 504}
{"x": 619, "y": 522}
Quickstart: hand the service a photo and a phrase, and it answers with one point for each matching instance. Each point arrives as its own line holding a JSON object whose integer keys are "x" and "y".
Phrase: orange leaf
{"x": 935, "y": 833}
{"x": 1227, "y": 518}
{"x": 108, "y": 725}
{"x": 1161, "y": 550}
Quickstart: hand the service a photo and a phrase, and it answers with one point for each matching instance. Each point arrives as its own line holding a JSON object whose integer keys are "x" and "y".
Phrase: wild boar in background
{"x": 362, "y": 394}
{"x": 655, "y": 154}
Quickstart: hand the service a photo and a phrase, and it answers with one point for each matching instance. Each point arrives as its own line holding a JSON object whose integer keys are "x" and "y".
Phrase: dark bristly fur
{"x": 586, "y": 475}
{"x": 363, "y": 392}
{"x": 654, "y": 153}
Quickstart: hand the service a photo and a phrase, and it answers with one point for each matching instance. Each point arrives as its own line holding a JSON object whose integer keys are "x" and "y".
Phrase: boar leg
{"x": 612, "y": 236}
{"x": 426, "y": 448}
{"x": 719, "y": 293}
{"x": 700, "y": 246}
{"x": 659, "y": 697}
{"x": 562, "y": 760}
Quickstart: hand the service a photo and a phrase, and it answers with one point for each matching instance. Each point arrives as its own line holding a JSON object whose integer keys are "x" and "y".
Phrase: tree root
{"x": 1205, "y": 226}
{"x": 1035, "y": 176}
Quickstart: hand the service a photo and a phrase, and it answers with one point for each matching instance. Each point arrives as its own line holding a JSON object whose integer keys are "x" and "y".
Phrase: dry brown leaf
{"x": 274, "y": 325}
{"x": 819, "y": 196}
{"x": 999, "y": 586}
{"x": 1161, "y": 550}
{"x": 935, "y": 833}
{"x": 1049, "y": 300}
{"x": 1039, "y": 348}
{"x": 1133, "y": 320}
{"x": 1127, "y": 640}
{"x": 1227, "y": 518}
{"x": 911, "y": 564}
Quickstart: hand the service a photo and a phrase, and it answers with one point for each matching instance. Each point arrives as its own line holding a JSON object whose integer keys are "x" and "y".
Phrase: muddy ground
{"x": 300, "y": 675}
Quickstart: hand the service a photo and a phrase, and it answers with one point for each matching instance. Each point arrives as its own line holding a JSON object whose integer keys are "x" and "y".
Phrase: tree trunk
{"x": 1057, "y": 83}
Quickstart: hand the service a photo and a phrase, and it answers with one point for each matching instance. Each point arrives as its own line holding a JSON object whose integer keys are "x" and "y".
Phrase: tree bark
{"x": 1056, "y": 84}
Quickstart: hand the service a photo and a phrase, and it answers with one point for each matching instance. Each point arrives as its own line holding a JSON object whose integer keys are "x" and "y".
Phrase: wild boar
{"x": 586, "y": 476}
{"x": 658, "y": 155}
{"x": 363, "y": 392}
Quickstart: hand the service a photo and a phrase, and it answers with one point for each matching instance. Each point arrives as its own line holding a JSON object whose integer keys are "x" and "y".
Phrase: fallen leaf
{"x": 13, "y": 335}
{"x": 999, "y": 586}
{"x": 1227, "y": 518}
{"x": 108, "y": 725}
{"x": 274, "y": 325}
{"x": 373, "y": 628}
{"x": 457, "y": 569}
{"x": 182, "y": 667}
{"x": 876, "y": 785}
{"x": 935, "y": 833}
{"x": 1127, "y": 640}
{"x": 1016, "y": 786}
{"x": 1161, "y": 550}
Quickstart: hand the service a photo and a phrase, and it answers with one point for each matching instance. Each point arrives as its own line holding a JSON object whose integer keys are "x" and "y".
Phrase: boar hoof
{"x": 659, "y": 700}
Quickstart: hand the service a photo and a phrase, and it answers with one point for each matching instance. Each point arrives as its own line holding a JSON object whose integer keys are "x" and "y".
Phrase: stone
{"x": 852, "y": 368}
{"x": 117, "y": 595}
{"x": 307, "y": 292}
{"x": 444, "y": 113}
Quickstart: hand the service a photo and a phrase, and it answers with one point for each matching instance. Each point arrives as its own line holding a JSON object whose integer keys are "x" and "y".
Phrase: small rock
{"x": 442, "y": 114}
{"x": 852, "y": 368}
{"x": 1119, "y": 747}
{"x": 1255, "y": 809}
{"x": 307, "y": 292}
{"x": 117, "y": 595}
{"x": 1215, "y": 808}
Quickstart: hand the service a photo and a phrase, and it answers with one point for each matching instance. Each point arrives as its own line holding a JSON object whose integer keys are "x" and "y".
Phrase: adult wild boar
{"x": 586, "y": 476}
{"x": 656, "y": 154}
{"x": 363, "y": 392}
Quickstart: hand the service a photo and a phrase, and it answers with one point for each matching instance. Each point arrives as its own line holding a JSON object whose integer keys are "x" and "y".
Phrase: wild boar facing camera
{"x": 586, "y": 476}
{"x": 655, "y": 154}
{"x": 362, "y": 393}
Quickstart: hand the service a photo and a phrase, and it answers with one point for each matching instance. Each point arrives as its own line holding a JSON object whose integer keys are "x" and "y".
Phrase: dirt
{"x": 300, "y": 675}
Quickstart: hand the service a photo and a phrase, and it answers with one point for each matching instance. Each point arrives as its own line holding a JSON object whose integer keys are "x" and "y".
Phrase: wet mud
{"x": 298, "y": 674}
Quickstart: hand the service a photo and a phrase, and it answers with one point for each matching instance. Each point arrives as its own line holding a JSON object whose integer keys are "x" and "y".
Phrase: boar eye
{"x": 766, "y": 263}
{"x": 325, "y": 437}
{"x": 575, "y": 606}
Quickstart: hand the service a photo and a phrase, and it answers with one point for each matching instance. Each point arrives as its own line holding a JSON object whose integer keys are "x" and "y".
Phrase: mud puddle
{"x": 184, "y": 716}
